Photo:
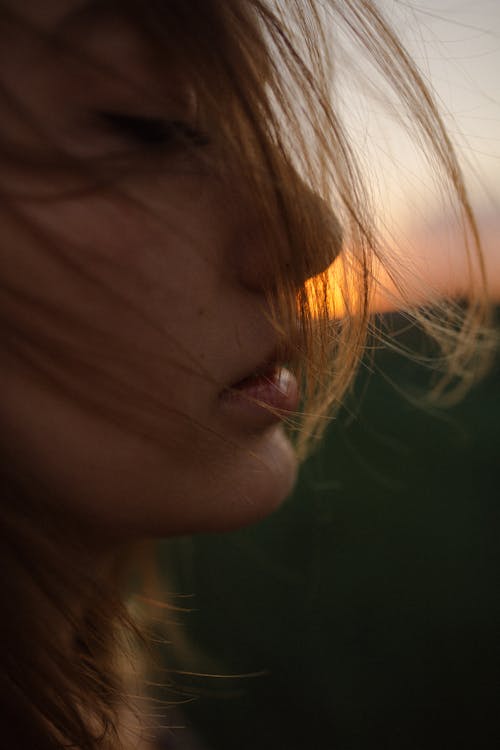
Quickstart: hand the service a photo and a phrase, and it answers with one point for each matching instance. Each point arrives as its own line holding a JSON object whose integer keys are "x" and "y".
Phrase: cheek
{"x": 117, "y": 301}
{"x": 123, "y": 486}
{"x": 147, "y": 283}
{"x": 127, "y": 240}
{"x": 144, "y": 298}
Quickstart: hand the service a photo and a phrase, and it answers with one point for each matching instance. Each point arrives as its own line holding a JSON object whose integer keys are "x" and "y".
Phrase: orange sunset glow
{"x": 456, "y": 46}
{"x": 434, "y": 265}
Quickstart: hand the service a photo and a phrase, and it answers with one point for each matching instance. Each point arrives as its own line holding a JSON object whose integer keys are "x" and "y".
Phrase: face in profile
{"x": 151, "y": 289}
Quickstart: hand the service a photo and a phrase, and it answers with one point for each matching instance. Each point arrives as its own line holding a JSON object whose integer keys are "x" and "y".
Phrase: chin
{"x": 215, "y": 492}
{"x": 257, "y": 482}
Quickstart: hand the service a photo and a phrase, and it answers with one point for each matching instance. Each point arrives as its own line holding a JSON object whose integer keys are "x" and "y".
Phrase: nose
{"x": 308, "y": 239}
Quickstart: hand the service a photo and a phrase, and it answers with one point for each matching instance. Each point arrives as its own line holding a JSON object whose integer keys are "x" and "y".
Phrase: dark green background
{"x": 371, "y": 599}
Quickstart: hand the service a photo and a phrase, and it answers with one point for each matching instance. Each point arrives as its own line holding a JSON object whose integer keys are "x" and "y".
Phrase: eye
{"x": 152, "y": 132}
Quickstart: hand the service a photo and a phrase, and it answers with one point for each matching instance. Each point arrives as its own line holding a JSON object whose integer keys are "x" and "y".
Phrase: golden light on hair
{"x": 335, "y": 293}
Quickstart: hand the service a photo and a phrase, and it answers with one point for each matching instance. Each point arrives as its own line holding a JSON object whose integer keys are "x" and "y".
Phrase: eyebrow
{"x": 82, "y": 12}
{"x": 49, "y": 17}
{"x": 94, "y": 27}
{"x": 81, "y": 27}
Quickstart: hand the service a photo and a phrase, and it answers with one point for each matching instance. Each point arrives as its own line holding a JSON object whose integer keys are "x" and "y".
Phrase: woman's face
{"x": 178, "y": 244}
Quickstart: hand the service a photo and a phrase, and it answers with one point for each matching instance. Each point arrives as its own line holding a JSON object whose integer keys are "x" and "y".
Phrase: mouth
{"x": 266, "y": 371}
{"x": 266, "y": 395}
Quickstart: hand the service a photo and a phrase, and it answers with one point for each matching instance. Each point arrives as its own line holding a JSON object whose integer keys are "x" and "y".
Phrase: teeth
{"x": 284, "y": 380}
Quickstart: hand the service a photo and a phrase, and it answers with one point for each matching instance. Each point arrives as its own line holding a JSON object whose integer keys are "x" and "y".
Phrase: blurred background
{"x": 366, "y": 612}
{"x": 370, "y": 602}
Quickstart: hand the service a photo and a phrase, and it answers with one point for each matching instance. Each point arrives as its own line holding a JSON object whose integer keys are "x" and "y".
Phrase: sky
{"x": 456, "y": 44}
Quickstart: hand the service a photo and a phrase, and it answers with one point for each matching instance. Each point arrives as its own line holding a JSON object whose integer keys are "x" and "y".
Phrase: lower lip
{"x": 265, "y": 398}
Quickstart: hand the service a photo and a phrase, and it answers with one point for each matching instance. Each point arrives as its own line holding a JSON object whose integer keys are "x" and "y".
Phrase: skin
{"x": 194, "y": 263}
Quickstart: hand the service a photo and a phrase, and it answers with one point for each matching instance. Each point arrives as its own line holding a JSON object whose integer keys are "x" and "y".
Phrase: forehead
{"x": 100, "y": 56}
{"x": 107, "y": 29}
{"x": 99, "y": 29}
{"x": 49, "y": 14}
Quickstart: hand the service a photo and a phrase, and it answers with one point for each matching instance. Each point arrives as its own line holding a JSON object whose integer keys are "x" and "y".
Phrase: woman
{"x": 168, "y": 176}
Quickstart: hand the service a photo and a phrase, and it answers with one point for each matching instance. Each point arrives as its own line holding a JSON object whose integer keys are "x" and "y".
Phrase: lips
{"x": 264, "y": 397}
{"x": 266, "y": 372}
{"x": 276, "y": 359}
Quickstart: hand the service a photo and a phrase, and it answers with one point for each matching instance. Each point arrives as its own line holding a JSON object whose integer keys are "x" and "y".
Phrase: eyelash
{"x": 153, "y": 132}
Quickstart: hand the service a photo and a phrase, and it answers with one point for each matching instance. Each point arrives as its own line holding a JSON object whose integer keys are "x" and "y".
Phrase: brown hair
{"x": 261, "y": 74}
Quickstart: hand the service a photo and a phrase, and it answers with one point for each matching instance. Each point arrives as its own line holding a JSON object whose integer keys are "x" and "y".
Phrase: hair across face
{"x": 170, "y": 172}
{"x": 139, "y": 301}
{"x": 171, "y": 175}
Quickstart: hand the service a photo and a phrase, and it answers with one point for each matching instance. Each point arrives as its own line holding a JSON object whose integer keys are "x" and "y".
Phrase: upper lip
{"x": 277, "y": 356}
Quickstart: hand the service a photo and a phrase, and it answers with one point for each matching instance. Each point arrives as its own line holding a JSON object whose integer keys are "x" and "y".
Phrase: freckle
{"x": 201, "y": 311}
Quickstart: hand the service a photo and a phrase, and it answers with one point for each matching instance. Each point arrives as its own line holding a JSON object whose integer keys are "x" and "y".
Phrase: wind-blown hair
{"x": 257, "y": 75}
